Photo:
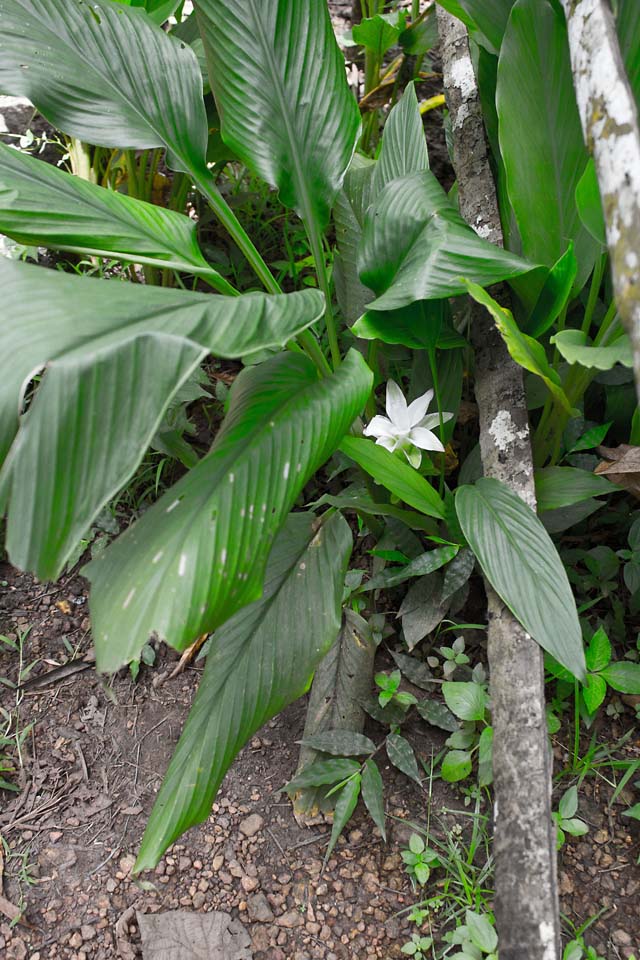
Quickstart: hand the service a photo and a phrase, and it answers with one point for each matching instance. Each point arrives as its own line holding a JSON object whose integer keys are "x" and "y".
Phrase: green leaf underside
{"x": 323, "y": 772}
{"x": 404, "y": 147}
{"x": 74, "y": 61}
{"x": 574, "y": 347}
{"x": 373, "y": 795}
{"x": 521, "y": 563}
{"x": 41, "y": 204}
{"x": 260, "y": 660}
{"x": 468, "y": 701}
{"x": 341, "y": 743}
{"x": 416, "y": 246}
{"x": 487, "y": 18}
{"x": 278, "y": 77}
{"x": 199, "y": 553}
{"x": 563, "y": 486}
{"x": 345, "y": 805}
{"x": 401, "y": 755}
{"x": 398, "y": 477}
{"x": 527, "y": 352}
{"x": 540, "y": 135}
{"x": 96, "y": 340}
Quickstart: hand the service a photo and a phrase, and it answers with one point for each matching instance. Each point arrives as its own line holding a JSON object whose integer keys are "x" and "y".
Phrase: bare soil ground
{"x": 93, "y": 764}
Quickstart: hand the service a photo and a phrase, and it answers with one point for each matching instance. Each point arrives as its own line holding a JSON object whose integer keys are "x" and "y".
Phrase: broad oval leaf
{"x": 345, "y": 805}
{"x": 527, "y": 352}
{"x": 91, "y": 341}
{"x": 589, "y": 203}
{"x": 416, "y": 246}
{"x": 105, "y": 73}
{"x": 323, "y": 772}
{"x": 401, "y": 755}
{"x": 373, "y": 795}
{"x": 199, "y": 553}
{"x": 554, "y": 295}
{"x": 522, "y": 564}
{"x": 404, "y": 146}
{"x": 398, "y": 477}
{"x": 540, "y": 135}
{"x": 341, "y": 743}
{"x": 574, "y": 346}
{"x": 623, "y": 677}
{"x": 456, "y": 765}
{"x": 260, "y": 661}
{"x": 563, "y": 486}
{"x": 279, "y": 81}
{"x": 468, "y": 701}
{"x": 41, "y": 204}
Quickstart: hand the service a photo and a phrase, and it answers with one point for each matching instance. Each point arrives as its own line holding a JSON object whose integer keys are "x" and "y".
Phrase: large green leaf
{"x": 348, "y": 216}
{"x": 41, "y": 204}
{"x": 575, "y": 347}
{"x": 540, "y": 135}
{"x": 396, "y": 475}
{"x": 526, "y": 351}
{"x": 404, "y": 146}
{"x": 105, "y": 73}
{"x": 486, "y": 18}
{"x": 199, "y": 553}
{"x": 521, "y": 563}
{"x": 416, "y": 246}
{"x": 101, "y": 399}
{"x": 260, "y": 661}
{"x": 628, "y": 27}
{"x": 563, "y": 486}
{"x": 403, "y": 151}
{"x": 278, "y": 77}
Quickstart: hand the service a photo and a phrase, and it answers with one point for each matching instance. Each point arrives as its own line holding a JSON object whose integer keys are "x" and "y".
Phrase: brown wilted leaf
{"x": 621, "y": 465}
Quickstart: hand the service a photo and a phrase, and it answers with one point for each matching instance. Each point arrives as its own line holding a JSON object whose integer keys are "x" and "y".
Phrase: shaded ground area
{"x": 93, "y": 763}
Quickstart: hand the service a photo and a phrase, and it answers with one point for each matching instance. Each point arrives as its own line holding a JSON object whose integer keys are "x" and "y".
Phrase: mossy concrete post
{"x": 526, "y": 903}
{"x": 609, "y": 117}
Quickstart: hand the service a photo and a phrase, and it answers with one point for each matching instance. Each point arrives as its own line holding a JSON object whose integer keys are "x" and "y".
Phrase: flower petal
{"x": 389, "y": 443}
{"x": 419, "y": 407}
{"x": 420, "y": 437}
{"x": 397, "y": 406}
{"x": 379, "y": 427}
{"x": 433, "y": 420}
{"x": 413, "y": 456}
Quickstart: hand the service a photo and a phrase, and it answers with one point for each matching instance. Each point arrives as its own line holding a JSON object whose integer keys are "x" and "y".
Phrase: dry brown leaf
{"x": 180, "y": 935}
{"x": 9, "y": 909}
{"x": 621, "y": 465}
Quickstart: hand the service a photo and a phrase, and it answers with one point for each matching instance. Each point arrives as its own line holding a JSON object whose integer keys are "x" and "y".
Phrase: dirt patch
{"x": 93, "y": 763}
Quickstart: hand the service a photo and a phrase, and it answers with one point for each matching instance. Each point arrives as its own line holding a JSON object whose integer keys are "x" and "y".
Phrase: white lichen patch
{"x": 504, "y": 431}
{"x": 548, "y": 940}
{"x": 129, "y": 598}
{"x": 463, "y": 77}
{"x": 285, "y": 471}
{"x": 182, "y": 566}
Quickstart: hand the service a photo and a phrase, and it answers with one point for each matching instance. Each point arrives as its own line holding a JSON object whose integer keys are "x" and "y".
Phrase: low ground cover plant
{"x": 252, "y": 540}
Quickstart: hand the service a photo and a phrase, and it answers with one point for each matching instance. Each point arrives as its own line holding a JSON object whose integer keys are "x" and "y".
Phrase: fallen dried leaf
{"x": 180, "y": 935}
{"x": 621, "y": 465}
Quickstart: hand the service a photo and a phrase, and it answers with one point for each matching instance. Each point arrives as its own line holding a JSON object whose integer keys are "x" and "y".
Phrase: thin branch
{"x": 526, "y": 904}
{"x": 609, "y": 118}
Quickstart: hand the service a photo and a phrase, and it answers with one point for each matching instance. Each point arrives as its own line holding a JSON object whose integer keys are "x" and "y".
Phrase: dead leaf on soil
{"x": 9, "y": 909}
{"x": 180, "y": 935}
{"x": 621, "y": 465}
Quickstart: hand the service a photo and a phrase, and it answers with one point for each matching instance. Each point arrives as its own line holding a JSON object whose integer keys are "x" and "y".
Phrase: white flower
{"x": 407, "y": 427}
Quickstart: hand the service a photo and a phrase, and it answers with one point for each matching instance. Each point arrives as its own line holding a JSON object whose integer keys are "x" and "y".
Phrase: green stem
{"x": 132, "y": 173}
{"x": 317, "y": 252}
{"x": 576, "y": 721}
{"x": 436, "y": 386}
{"x": 594, "y": 290}
{"x": 205, "y": 184}
{"x": 372, "y": 363}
